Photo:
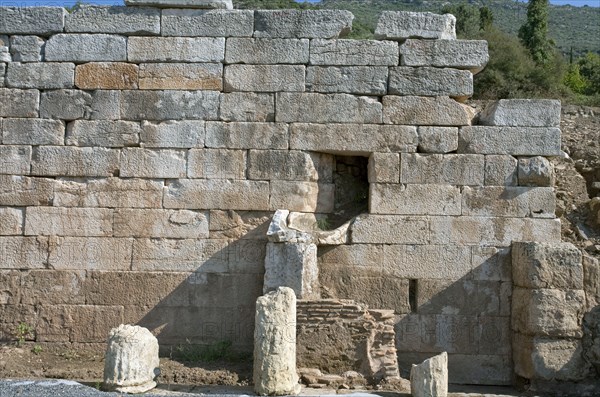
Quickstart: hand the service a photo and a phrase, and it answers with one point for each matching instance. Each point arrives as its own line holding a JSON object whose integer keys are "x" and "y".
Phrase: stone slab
{"x": 80, "y": 48}
{"x": 104, "y": 133}
{"x": 288, "y": 165}
{"x": 42, "y": 21}
{"x": 392, "y": 229}
{"x": 450, "y": 262}
{"x": 74, "y": 161}
{"x": 522, "y": 113}
{"x": 535, "y": 171}
{"x": 431, "y": 111}
{"x": 172, "y": 134}
{"x": 16, "y": 190}
{"x": 24, "y": 252}
{"x": 384, "y": 168}
{"x": 266, "y": 51}
{"x": 509, "y": 201}
{"x": 301, "y": 196}
{"x": 15, "y": 160}
{"x": 181, "y": 76}
{"x": 204, "y": 4}
{"x": 460, "y": 54}
{"x": 32, "y": 132}
{"x": 264, "y": 78}
{"x": 242, "y": 135}
{"x": 437, "y": 139}
{"x": 516, "y": 141}
{"x": 153, "y": 163}
{"x": 114, "y": 20}
{"x": 211, "y": 23}
{"x": 414, "y": 199}
{"x": 169, "y": 105}
{"x": 26, "y": 48}
{"x": 217, "y": 164}
{"x": 402, "y": 25}
{"x": 500, "y": 170}
{"x": 430, "y": 378}
{"x": 359, "y": 80}
{"x": 247, "y": 106}
{"x": 292, "y": 265}
{"x": 327, "y": 108}
{"x": 78, "y": 104}
{"x": 451, "y": 169}
{"x": 11, "y": 221}
{"x": 346, "y": 52}
{"x": 427, "y": 81}
{"x": 175, "y": 49}
{"x": 155, "y": 223}
{"x": 40, "y": 75}
{"x": 106, "y": 76}
{"x": 78, "y": 222}
{"x": 90, "y": 253}
{"x": 19, "y": 103}
{"x": 311, "y": 24}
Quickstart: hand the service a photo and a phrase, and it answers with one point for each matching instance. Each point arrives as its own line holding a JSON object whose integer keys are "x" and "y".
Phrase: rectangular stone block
{"x": 160, "y": 223}
{"x": 402, "y": 25}
{"x": 384, "y": 168}
{"x": 517, "y": 141}
{"x": 40, "y": 75}
{"x": 415, "y": 110}
{"x": 32, "y": 132}
{"x": 216, "y": 164}
{"x": 201, "y": 4}
{"x": 23, "y": 191}
{"x": 217, "y": 194}
{"x": 175, "y": 49}
{"x": 302, "y": 196}
{"x": 74, "y": 161}
{"x": 247, "y": 106}
{"x": 450, "y": 262}
{"x": 78, "y": 222}
{"x": 326, "y": 24}
{"x": 106, "y": 76}
{"x": 23, "y": 252}
{"x": 481, "y": 369}
{"x": 462, "y": 297}
{"x": 289, "y": 165}
{"x": 460, "y": 54}
{"x": 114, "y": 20}
{"x": 264, "y": 78}
{"x": 10, "y": 293}
{"x": 15, "y": 160}
{"x": 212, "y": 23}
{"x": 42, "y": 21}
{"x": 169, "y": 105}
{"x": 327, "y": 108}
{"x": 266, "y": 51}
{"x": 509, "y": 201}
{"x": 500, "y": 170}
{"x": 240, "y": 224}
{"x": 240, "y": 135}
{"x": 522, "y": 113}
{"x": 378, "y": 229}
{"x": 52, "y": 287}
{"x": 150, "y": 163}
{"x": 494, "y": 264}
{"x": 452, "y": 169}
{"x": 108, "y": 192}
{"x": 172, "y": 134}
{"x": 363, "y": 259}
{"x": 353, "y": 139}
{"x": 26, "y": 48}
{"x": 90, "y": 253}
{"x": 346, "y": 52}
{"x": 414, "y": 199}
{"x": 107, "y": 133}
{"x": 80, "y": 48}
{"x": 181, "y": 76}
{"x": 2, "y": 74}
{"x": 359, "y": 80}
{"x": 11, "y": 221}
{"x": 19, "y": 103}
{"x": 438, "y": 139}
{"x": 77, "y": 104}
{"x": 428, "y": 81}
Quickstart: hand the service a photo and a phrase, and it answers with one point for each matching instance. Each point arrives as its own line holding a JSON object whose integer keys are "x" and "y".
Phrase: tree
{"x": 486, "y": 18}
{"x": 534, "y": 33}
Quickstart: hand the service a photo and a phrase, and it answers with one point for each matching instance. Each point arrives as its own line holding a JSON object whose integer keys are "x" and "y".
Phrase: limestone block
{"x": 247, "y": 106}
{"x": 415, "y": 110}
{"x": 362, "y": 259}
{"x": 114, "y": 20}
{"x": 11, "y": 221}
{"x": 353, "y": 139}
{"x": 401, "y": 25}
{"x": 541, "y": 265}
{"x": 452, "y": 169}
{"x": 494, "y": 264}
{"x": 311, "y": 24}
{"x": 591, "y": 280}
{"x": 535, "y": 171}
{"x": 153, "y": 163}
{"x": 106, "y": 76}
{"x": 80, "y": 48}
{"x": 160, "y": 223}
{"x": 217, "y": 194}
{"x": 359, "y": 80}
{"x": 450, "y": 262}
{"x": 19, "y": 190}
{"x": 5, "y": 54}
{"x": 169, "y": 105}
{"x": 266, "y": 51}
{"x": 240, "y": 224}
{"x": 522, "y": 113}
{"x": 77, "y": 104}
{"x": 42, "y": 21}
{"x": 106, "y": 133}
{"x": 54, "y": 221}
{"x": 212, "y": 23}
{"x": 414, "y": 199}
{"x": 517, "y": 141}
{"x": 327, "y": 108}
{"x": 460, "y": 54}
{"x": 275, "y": 344}
{"x": 302, "y": 196}
{"x": 217, "y": 164}
{"x": 131, "y": 361}
{"x": 172, "y": 134}
{"x": 183, "y": 76}
{"x": 15, "y": 160}
{"x": 427, "y": 81}
{"x": 24, "y": 252}
{"x": 548, "y": 312}
{"x": 430, "y": 378}
{"x": 292, "y": 265}
{"x": 207, "y": 4}
{"x": 483, "y": 369}
{"x": 32, "y": 132}
{"x": 289, "y": 165}
{"x": 26, "y": 48}
{"x": 591, "y": 336}
{"x": 500, "y": 170}
{"x": 509, "y": 201}
{"x": 19, "y": 103}
{"x": 438, "y": 139}
{"x": 240, "y": 135}
{"x": 90, "y": 253}
{"x": 72, "y": 161}
{"x": 264, "y": 78}
{"x": 39, "y": 287}
{"x": 462, "y": 297}
{"x": 2, "y": 73}
{"x": 346, "y": 52}
{"x": 175, "y": 49}
{"x": 390, "y": 229}
{"x": 384, "y": 168}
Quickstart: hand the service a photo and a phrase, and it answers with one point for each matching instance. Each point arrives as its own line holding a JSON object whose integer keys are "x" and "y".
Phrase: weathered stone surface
{"x": 2, "y": 73}
{"x": 462, "y": 297}
{"x": 292, "y": 265}
{"x": 430, "y": 378}
{"x": 19, "y": 103}
{"x": 150, "y": 163}
{"x": 275, "y": 344}
{"x": 302, "y": 196}
{"x": 401, "y": 25}
{"x": 438, "y": 139}
{"x": 452, "y": 169}
{"x": 237, "y": 135}
{"x": 247, "y": 106}
{"x": 266, "y": 51}
{"x": 32, "y": 132}
{"x": 414, "y": 199}
{"x": 384, "y": 168}
{"x": 522, "y": 113}
{"x": 108, "y": 192}
{"x": 80, "y": 48}
{"x": 264, "y": 78}
{"x": 208, "y": 4}
{"x": 461, "y": 54}
{"x": 360, "y": 80}
{"x": 415, "y": 110}
{"x": 15, "y": 160}
{"x": 327, "y": 108}
{"x": 429, "y": 81}
{"x": 378, "y": 229}
{"x": 591, "y": 280}
{"x": 517, "y": 141}
{"x": 212, "y": 23}
{"x": 42, "y": 21}
{"x": 26, "y": 48}
{"x": 311, "y": 24}
{"x": 535, "y": 171}
{"x": 24, "y": 252}
{"x": 131, "y": 361}
{"x": 345, "y": 52}
{"x": 106, "y": 76}
{"x": 40, "y": 75}
{"x": 53, "y": 221}
{"x": 217, "y": 164}
{"x": 217, "y": 194}
{"x": 494, "y": 264}
{"x": 74, "y": 161}
{"x": 77, "y": 104}
{"x": 510, "y": 201}
{"x": 106, "y": 133}
{"x": 114, "y": 20}
{"x": 239, "y": 224}
{"x": 482, "y": 369}
{"x": 289, "y": 165}
{"x": 500, "y": 170}
{"x": 172, "y": 134}
{"x": 181, "y": 76}
{"x": 90, "y": 253}
{"x": 11, "y": 221}
{"x": 169, "y": 105}
{"x": 160, "y": 223}
{"x": 23, "y": 191}
{"x": 41, "y": 287}
{"x": 175, "y": 49}
{"x": 591, "y": 336}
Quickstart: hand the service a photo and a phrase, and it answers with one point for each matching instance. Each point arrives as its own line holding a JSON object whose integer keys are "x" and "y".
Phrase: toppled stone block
{"x": 327, "y": 108}
{"x": 427, "y": 81}
{"x": 113, "y": 20}
{"x": 42, "y": 21}
{"x": 292, "y": 265}
{"x": 106, "y": 76}
{"x": 26, "y": 48}
{"x": 19, "y": 103}
{"x": 359, "y": 80}
{"x": 131, "y": 360}
{"x": 346, "y": 52}
{"x": 40, "y": 75}
{"x": 80, "y": 48}
{"x": 431, "y": 111}
{"x": 535, "y": 171}
{"x": 460, "y": 54}
{"x": 181, "y": 76}
{"x": 522, "y": 113}
{"x": 208, "y": 4}
{"x": 264, "y": 78}
{"x": 175, "y": 49}
{"x": 430, "y": 378}
{"x": 516, "y": 141}
{"x": 500, "y": 170}
{"x": 402, "y": 25}
{"x": 266, "y": 51}
{"x": 310, "y": 24}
